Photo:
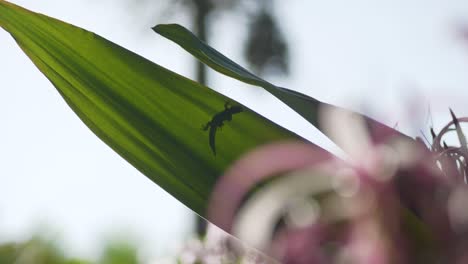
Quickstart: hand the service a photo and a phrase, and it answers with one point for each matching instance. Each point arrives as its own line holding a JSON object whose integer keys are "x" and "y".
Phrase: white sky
{"x": 392, "y": 57}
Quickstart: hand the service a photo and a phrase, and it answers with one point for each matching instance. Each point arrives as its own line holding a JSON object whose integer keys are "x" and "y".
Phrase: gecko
{"x": 218, "y": 121}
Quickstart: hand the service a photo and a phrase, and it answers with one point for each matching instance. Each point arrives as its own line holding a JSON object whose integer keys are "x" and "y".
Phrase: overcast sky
{"x": 392, "y": 59}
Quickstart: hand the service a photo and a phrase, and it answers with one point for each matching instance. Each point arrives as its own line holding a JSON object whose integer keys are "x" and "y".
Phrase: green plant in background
{"x": 38, "y": 250}
{"x": 119, "y": 253}
{"x": 35, "y": 251}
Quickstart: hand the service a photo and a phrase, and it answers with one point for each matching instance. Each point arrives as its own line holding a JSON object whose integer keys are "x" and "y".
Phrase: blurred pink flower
{"x": 397, "y": 202}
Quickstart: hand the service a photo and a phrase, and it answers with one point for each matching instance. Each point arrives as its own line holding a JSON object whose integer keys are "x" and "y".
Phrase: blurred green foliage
{"x": 41, "y": 251}
{"x": 119, "y": 253}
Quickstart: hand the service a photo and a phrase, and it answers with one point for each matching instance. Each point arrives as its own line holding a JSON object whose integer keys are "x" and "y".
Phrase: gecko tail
{"x": 212, "y": 140}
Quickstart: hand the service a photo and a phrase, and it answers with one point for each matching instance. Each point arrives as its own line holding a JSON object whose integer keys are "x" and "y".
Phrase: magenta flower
{"x": 397, "y": 202}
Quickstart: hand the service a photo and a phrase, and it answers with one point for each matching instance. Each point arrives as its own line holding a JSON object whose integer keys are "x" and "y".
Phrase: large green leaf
{"x": 149, "y": 115}
{"x": 304, "y": 105}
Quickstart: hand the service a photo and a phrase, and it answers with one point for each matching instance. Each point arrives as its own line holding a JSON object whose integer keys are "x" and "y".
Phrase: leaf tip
{"x": 169, "y": 29}
{"x": 158, "y": 28}
{"x": 175, "y": 33}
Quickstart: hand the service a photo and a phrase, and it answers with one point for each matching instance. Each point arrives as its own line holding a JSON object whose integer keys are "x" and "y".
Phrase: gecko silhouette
{"x": 218, "y": 121}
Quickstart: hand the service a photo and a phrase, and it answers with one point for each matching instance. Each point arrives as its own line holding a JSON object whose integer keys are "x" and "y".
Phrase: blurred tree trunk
{"x": 202, "y": 9}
